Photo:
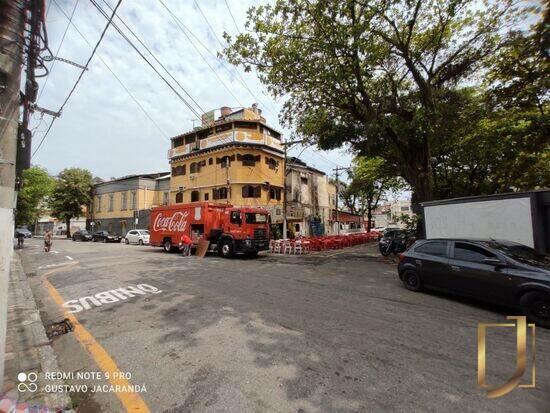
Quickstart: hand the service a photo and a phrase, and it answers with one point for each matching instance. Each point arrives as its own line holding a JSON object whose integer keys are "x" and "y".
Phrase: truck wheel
{"x": 167, "y": 246}
{"x": 536, "y": 306}
{"x": 226, "y": 249}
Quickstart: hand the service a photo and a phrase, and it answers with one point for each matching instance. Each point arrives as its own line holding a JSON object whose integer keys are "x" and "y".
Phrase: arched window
{"x": 210, "y": 161}
{"x": 179, "y": 197}
{"x": 195, "y": 196}
{"x": 275, "y": 193}
{"x": 250, "y": 191}
{"x": 195, "y": 167}
{"x": 219, "y": 193}
{"x": 271, "y": 163}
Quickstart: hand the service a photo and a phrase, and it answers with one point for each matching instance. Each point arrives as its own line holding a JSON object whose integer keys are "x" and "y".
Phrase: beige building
{"x": 310, "y": 199}
{"x": 124, "y": 203}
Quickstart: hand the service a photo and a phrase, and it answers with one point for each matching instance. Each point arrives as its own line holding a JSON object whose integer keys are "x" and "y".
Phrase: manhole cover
{"x": 57, "y": 329}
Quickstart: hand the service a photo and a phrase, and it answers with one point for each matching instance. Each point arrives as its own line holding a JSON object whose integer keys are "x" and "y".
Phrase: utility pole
{"x": 286, "y": 172}
{"x": 12, "y": 20}
{"x": 337, "y": 173}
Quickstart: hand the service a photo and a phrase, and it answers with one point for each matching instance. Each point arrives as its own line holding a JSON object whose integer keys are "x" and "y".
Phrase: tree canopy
{"x": 37, "y": 186}
{"x": 402, "y": 80}
{"x": 72, "y": 192}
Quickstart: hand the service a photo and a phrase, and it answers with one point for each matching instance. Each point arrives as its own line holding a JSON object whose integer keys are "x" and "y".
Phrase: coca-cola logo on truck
{"x": 176, "y": 222}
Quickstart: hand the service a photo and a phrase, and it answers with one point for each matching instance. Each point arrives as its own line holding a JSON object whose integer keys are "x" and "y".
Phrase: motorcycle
{"x": 396, "y": 244}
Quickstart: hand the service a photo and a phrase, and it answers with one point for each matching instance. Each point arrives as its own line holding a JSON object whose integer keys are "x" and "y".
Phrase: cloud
{"x": 102, "y": 128}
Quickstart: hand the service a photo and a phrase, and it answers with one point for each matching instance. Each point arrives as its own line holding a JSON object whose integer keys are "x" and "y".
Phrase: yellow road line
{"x": 131, "y": 401}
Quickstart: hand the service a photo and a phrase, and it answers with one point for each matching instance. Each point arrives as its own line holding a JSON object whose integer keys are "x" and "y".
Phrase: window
{"x": 99, "y": 203}
{"x": 177, "y": 142}
{"x": 165, "y": 198}
{"x": 178, "y": 170}
{"x": 133, "y": 198}
{"x": 250, "y": 191}
{"x": 275, "y": 193}
{"x": 438, "y": 248}
{"x": 246, "y": 125}
{"x": 225, "y": 161}
{"x": 471, "y": 253}
{"x": 271, "y": 163}
{"x": 248, "y": 160}
{"x": 404, "y": 208}
{"x": 195, "y": 167}
{"x": 206, "y": 196}
{"x": 179, "y": 197}
{"x": 223, "y": 128}
{"x": 219, "y": 193}
{"x": 190, "y": 139}
{"x": 235, "y": 217}
{"x": 124, "y": 202}
{"x": 111, "y": 202}
{"x": 252, "y": 218}
{"x": 195, "y": 196}
{"x": 303, "y": 180}
{"x": 210, "y": 161}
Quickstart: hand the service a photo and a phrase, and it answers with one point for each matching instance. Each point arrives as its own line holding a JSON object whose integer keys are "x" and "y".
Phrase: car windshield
{"x": 255, "y": 218}
{"x": 144, "y": 232}
{"x": 522, "y": 253}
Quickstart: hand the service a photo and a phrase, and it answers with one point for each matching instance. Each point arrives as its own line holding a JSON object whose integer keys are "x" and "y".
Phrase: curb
{"x": 28, "y": 348}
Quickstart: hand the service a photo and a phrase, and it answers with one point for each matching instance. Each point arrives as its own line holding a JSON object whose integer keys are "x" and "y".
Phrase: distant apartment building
{"x": 234, "y": 157}
{"x": 310, "y": 198}
{"x": 389, "y": 213}
{"x": 124, "y": 203}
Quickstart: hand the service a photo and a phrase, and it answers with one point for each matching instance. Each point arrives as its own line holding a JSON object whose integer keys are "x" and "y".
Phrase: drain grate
{"x": 59, "y": 328}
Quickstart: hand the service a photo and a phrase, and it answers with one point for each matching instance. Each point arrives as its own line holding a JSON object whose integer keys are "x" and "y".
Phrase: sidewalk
{"x": 28, "y": 350}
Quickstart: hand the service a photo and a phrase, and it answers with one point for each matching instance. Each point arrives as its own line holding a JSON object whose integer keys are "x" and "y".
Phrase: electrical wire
{"x": 232, "y": 17}
{"x": 79, "y": 77}
{"x": 58, "y": 49}
{"x": 165, "y": 135}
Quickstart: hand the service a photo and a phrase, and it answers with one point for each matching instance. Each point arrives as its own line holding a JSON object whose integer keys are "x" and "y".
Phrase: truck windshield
{"x": 255, "y": 218}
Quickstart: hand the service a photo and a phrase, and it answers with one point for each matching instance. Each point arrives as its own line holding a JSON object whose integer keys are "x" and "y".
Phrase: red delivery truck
{"x": 229, "y": 229}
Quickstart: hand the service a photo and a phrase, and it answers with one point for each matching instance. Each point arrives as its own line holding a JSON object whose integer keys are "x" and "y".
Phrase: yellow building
{"x": 236, "y": 158}
{"x": 124, "y": 203}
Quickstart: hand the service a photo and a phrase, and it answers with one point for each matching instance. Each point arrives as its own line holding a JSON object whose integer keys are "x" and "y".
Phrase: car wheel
{"x": 74, "y": 239}
{"x": 411, "y": 280}
{"x": 140, "y": 242}
{"x": 226, "y": 249}
{"x": 385, "y": 250}
{"x": 536, "y": 305}
{"x": 126, "y": 241}
{"x": 167, "y": 246}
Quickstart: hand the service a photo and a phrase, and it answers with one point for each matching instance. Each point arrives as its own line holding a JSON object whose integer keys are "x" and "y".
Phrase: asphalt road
{"x": 331, "y": 333}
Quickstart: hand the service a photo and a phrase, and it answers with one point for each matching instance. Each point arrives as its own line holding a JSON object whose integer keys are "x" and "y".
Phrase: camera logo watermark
{"x": 27, "y": 382}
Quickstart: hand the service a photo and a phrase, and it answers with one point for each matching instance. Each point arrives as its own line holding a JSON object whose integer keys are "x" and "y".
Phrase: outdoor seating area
{"x": 303, "y": 245}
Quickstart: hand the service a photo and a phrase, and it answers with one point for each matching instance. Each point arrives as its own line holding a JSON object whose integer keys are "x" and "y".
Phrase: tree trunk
{"x": 68, "y": 224}
{"x": 369, "y": 219}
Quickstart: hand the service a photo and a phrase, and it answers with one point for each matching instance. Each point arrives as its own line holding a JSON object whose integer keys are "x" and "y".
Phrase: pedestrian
{"x": 185, "y": 245}
{"x": 48, "y": 241}
{"x": 20, "y": 240}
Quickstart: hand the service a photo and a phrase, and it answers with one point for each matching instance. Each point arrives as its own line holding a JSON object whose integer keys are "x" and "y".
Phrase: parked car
{"x": 26, "y": 233}
{"x": 105, "y": 236}
{"x": 137, "y": 236}
{"x": 501, "y": 272}
{"x": 82, "y": 235}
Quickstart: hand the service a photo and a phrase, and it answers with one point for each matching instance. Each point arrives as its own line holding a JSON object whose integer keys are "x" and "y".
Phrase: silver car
{"x": 137, "y": 236}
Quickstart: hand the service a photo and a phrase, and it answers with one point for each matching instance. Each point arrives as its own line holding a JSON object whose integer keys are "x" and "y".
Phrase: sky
{"x": 102, "y": 128}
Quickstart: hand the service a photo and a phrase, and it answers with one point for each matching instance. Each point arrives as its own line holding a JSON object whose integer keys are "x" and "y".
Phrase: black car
{"x": 82, "y": 236}
{"x": 105, "y": 236}
{"x": 26, "y": 233}
{"x": 501, "y": 272}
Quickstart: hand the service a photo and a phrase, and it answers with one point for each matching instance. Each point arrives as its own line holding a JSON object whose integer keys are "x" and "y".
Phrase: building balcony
{"x": 234, "y": 136}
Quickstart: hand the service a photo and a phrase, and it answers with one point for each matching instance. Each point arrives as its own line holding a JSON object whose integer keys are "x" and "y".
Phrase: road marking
{"x": 59, "y": 264}
{"x": 55, "y": 252}
{"x": 131, "y": 401}
{"x": 69, "y": 258}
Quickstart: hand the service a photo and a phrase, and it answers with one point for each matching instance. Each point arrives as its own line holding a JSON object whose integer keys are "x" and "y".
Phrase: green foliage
{"x": 371, "y": 180}
{"x": 37, "y": 186}
{"x": 411, "y": 222}
{"x": 387, "y": 78}
{"x": 72, "y": 191}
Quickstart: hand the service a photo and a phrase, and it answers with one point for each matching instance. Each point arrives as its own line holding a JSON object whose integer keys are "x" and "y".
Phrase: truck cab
{"x": 244, "y": 230}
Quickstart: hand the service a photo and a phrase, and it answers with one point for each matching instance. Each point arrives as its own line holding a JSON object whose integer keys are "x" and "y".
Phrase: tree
{"x": 37, "y": 186}
{"x": 374, "y": 74}
{"x": 72, "y": 191}
{"x": 371, "y": 179}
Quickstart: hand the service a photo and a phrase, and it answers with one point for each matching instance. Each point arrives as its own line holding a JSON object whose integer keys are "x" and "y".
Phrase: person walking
{"x": 185, "y": 245}
{"x": 48, "y": 241}
{"x": 20, "y": 240}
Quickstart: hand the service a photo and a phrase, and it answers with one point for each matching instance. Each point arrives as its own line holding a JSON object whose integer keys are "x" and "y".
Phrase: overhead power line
{"x": 112, "y": 72}
{"x": 80, "y": 76}
{"x": 232, "y": 17}
{"x": 58, "y": 48}
{"x": 189, "y": 106}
